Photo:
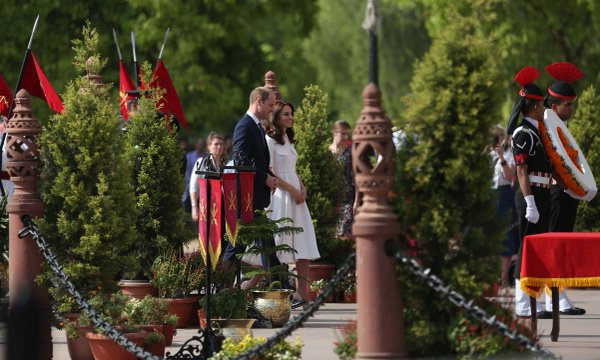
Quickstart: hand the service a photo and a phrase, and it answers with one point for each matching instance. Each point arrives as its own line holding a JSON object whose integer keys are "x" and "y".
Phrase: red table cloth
{"x": 559, "y": 259}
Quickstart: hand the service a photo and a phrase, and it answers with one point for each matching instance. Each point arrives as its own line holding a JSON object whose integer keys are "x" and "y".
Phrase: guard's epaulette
{"x": 531, "y": 134}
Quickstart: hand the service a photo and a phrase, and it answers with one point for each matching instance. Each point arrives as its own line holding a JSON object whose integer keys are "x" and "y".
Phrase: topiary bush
{"x": 585, "y": 128}
{"x": 151, "y": 146}
{"x": 442, "y": 186}
{"x": 89, "y": 217}
{"x": 318, "y": 168}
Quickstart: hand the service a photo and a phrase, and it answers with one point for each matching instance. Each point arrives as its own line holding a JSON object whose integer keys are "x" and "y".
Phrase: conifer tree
{"x": 156, "y": 179}
{"x": 442, "y": 184}
{"x": 318, "y": 168}
{"x": 585, "y": 129}
{"x": 89, "y": 217}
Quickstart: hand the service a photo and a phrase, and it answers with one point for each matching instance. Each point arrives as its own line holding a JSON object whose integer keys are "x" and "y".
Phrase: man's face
{"x": 265, "y": 108}
{"x": 564, "y": 110}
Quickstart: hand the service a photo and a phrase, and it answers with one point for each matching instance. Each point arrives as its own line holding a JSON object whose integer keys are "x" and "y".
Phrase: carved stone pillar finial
{"x": 270, "y": 83}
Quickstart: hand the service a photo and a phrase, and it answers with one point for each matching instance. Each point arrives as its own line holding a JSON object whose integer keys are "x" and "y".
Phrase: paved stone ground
{"x": 579, "y": 336}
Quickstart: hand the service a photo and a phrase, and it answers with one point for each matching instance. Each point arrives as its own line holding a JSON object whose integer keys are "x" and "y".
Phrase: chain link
{"x": 475, "y": 311}
{"x": 61, "y": 279}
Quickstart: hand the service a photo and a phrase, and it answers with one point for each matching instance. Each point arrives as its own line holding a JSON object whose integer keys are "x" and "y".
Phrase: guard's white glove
{"x": 531, "y": 212}
{"x": 587, "y": 197}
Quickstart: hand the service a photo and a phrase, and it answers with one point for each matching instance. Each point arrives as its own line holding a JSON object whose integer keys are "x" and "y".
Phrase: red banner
{"x": 215, "y": 221}
{"x": 246, "y": 195}
{"x": 125, "y": 84}
{"x": 202, "y": 216}
{"x": 230, "y": 208}
{"x": 5, "y": 97}
{"x": 36, "y": 83}
{"x": 170, "y": 102}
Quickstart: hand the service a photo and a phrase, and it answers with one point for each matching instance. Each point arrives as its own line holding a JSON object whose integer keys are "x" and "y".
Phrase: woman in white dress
{"x": 288, "y": 200}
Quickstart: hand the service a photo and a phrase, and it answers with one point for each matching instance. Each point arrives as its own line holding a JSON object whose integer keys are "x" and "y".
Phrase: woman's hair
{"x": 274, "y": 128}
{"x": 213, "y": 136}
{"x": 340, "y": 125}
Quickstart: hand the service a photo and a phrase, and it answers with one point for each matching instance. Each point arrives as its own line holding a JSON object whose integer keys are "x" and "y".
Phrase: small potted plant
{"x": 228, "y": 309}
{"x": 112, "y": 308}
{"x": 169, "y": 328}
{"x": 317, "y": 286}
{"x": 178, "y": 279}
{"x": 347, "y": 288}
{"x": 154, "y": 343}
{"x": 272, "y": 301}
{"x": 152, "y": 314}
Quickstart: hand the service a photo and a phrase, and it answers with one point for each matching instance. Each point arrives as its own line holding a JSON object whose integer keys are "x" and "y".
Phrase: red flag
{"x": 34, "y": 81}
{"x": 169, "y": 101}
{"x": 215, "y": 221}
{"x": 5, "y": 97}
{"x": 202, "y": 216}
{"x": 246, "y": 195}
{"x": 230, "y": 209}
{"x": 125, "y": 84}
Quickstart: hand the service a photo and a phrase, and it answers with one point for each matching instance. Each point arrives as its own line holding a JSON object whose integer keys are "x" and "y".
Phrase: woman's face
{"x": 216, "y": 147}
{"x": 286, "y": 118}
{"x": 339, "y": 136}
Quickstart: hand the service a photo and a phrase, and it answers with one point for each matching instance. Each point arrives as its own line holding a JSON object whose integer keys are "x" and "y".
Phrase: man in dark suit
{"x": 249, "y": 138}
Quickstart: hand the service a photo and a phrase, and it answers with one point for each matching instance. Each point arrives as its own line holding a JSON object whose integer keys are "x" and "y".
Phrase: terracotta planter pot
{"x": 104, "y": 348}
{"x": 79, "y": 349}
{"x": 201, "y": 318}
{"x": 137, "y": 288}
{"x": 168, "y": 332}
{"x": 350, "y": 298}
{"x": 318, "y": 272}
{"x": 183, "y": 308}
{"x": 157, "y": 349}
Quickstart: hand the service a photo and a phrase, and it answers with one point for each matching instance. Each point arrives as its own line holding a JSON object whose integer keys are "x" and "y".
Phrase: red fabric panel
{"x": 125, "y": 84}
{"x": 215, "y": 221}
{"x": 5, "y": 97}
{"x": 169, "y": 101}
{"x": 230, "y": 206}
{"x": 36, "y": 83}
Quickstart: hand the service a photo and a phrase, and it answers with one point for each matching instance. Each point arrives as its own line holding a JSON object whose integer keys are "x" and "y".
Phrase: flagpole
{"x": 163, "y": 44}
{"x": 117, "y": 44}
{"x": 12, "y": 103}
{"x": 135, "y": 70}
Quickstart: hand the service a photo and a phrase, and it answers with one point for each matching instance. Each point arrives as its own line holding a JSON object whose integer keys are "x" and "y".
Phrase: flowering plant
{"x": 177, "y": 276}
{"x": 346, "y": 348}
{"x": 283, "y": 350}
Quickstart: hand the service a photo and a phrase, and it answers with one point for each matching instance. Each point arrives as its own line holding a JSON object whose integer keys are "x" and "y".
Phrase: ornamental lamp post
{"x": 380, "y": 329}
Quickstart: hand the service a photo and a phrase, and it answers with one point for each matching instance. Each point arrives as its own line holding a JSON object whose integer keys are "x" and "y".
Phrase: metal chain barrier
{"x": 63, "y": 281}
{"x": 473, "y": 310}
{"x": 298, "y": 320}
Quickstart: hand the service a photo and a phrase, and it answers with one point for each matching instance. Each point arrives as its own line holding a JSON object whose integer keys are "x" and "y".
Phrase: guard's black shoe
{"x": 544, "y": 314}
{"x": 297, "y": 303}
{"x": 573, "y": 311}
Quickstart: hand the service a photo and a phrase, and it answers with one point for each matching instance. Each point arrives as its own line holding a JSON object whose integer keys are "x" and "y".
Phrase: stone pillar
{"x": 380, "y": 325}
{"x": 24, "y": 166}
{"x": 270, "y": 83}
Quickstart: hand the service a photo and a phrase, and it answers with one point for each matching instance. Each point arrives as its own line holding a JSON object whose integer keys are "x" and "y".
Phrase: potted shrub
{"x": 89, "y": 218}
{"x": 154, "y": 343}
{"x": 283, "y": 350}
{"x": 271, "y": 301}
{"x": 151, "y": 147}
{"x": 113, "y": 309}
{"x": 178, "y": 278}
{"x": 347, "y": 287}
{"x": 316, "y": 288}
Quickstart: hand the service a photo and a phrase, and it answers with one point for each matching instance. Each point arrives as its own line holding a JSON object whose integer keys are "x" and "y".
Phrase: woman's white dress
{"x": 283, "y": 165}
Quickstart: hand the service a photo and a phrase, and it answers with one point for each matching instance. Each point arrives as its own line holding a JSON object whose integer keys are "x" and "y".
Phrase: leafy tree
{"x": 585, "y": 129}
{"x": 89, "y": 218}
{"x": 156, "y": 178}
{"x": 444, "y": 200}
{"x": 318, "y": 168}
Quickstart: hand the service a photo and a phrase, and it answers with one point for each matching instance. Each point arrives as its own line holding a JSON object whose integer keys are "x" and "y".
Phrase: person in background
{"x": 190, "y": 159}
{"x": 215, "y": 148}
{"x": 341, "y": 148}
{"x": 502, "y": 182}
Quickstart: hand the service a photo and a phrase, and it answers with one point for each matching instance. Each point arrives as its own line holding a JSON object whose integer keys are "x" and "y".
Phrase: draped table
{"x": 558, "y": 260}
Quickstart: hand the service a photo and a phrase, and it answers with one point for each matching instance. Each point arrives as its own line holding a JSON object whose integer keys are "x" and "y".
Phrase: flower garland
{"x": 558, "y": 162}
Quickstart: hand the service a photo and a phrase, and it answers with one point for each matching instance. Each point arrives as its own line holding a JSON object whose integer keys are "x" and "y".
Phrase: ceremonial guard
{"x": 532, "y": 198}
{"x": 563, "y": 209}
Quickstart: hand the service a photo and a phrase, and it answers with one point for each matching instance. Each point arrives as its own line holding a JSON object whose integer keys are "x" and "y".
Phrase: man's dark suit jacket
{"x": 248, "y": 139}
